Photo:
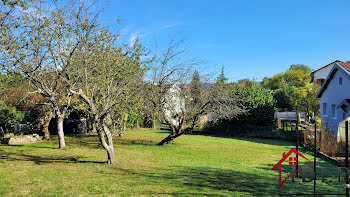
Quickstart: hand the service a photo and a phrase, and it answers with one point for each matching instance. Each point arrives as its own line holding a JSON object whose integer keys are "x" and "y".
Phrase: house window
{"x": 319, "y": 82}
{"x": 333, "y": 111}
{"x": 340, "y": 81}
{"x": 324, "y": 108}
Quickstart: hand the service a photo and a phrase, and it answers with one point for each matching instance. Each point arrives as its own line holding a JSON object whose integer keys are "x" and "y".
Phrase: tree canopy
{"x": 294, "y": 88}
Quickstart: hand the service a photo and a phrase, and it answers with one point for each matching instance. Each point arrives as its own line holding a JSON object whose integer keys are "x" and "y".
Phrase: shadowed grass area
{"x": 192, "y": 165}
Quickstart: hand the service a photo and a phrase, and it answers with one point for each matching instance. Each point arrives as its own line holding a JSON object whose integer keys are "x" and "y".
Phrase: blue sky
{"x": 251, "y": 38}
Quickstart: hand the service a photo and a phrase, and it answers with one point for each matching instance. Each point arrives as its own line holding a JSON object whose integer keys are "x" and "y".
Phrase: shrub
{"x": 9, "y": 117}
{"x": 329, "y": 144}
{"x": 326, "y": 143}
{"x": 259, "y": 103}
{"x": 260, "y": 106}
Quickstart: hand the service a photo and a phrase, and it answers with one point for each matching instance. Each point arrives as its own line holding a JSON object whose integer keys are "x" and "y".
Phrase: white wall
{"x": 323, "y": 73}
{"x": 174, "y": 104}
{"x": 335, "y": 94}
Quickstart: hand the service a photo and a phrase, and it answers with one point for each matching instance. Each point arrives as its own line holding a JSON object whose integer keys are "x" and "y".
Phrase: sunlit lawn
{"x": 192, "y": 165}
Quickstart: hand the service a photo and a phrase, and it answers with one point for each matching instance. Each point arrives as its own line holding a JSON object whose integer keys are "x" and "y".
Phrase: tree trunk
{"x": 107, "y": 144}
{"x": 121, "y": 128}
{"x": 110, "y": 151}
{"x": 137, "y": 124}
{"x": 111, "y": 156}
{"x": 168, "y": 139}
{"x": 59, "y": 122}
{"x": 45, "y": 128}
{"x": 154, "y": 126}
{"x": 125, "y": 121}
{"x": 194, "y": 122}
{"x": 122, "y": 124}
{"x": 171, "y": 137}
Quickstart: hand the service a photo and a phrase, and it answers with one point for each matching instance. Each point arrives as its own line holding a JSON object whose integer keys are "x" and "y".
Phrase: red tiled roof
{"x": 345, "y": 65}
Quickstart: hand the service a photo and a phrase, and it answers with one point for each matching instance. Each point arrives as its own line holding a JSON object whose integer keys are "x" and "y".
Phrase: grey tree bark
{"x": 106, "y": 140}
{"x": 59, "y": 123}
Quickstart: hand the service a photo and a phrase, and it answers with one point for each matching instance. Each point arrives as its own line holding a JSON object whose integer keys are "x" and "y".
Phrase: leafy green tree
{"x": 130, "y": 112}
{"x": 275, "y": 82}
{"x": 297, "y": 76}
{"x": 294, "y": 88}
{"x": 305, "y": 98}
{"x": 300, "y": 67}
{"x": 258, "y": 102}
{"x": 40, "y": 45}
{"x": 13, "y": 92}
{"x": 195, "y": 96}
{"x": 222, "y": 80}
{"x": 106, "y": 75}
{"x": 283, "y": 97}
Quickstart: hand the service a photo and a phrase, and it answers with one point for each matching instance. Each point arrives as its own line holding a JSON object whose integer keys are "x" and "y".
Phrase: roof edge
{"x": 335, "y": 68}
{"x": 324, "y": 66}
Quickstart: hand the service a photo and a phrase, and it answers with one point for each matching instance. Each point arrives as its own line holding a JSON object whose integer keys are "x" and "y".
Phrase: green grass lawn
{"x": 193, "y": 165}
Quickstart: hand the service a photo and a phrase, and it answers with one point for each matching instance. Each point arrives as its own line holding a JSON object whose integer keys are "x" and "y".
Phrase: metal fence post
{"x": 347, "y": 157}
{"x": 315, "y": 152}
{"x": 297, "y": 133}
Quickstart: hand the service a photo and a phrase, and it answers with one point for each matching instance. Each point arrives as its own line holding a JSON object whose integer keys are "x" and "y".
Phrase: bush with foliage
{"x": 258, "y": 101}
{"x": 259, "y": 104}
{"x": 294, "y": 88}
{"x": 9, "y": 117}
{"x": 283, "y": 97}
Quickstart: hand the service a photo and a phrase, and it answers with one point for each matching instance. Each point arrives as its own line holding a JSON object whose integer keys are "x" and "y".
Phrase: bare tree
{"x": 170, "y": 95}
{"x": 40, "y": 45}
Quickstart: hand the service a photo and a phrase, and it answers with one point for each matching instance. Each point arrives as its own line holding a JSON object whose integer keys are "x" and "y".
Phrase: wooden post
{"x": 320, "y": 140}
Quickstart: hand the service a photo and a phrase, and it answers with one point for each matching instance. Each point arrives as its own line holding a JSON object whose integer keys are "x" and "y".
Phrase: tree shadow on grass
{"x": 163, "y": 131}
{"x": 276, "y": 142}
{"x": 74, "y": 140}
{"x": 15, "y": 156}
{"x": 330, "y": 186}
{"x": 95, "y": 143}
{"x": 209, "y": 181}
{"x": 69, "y": 143}
{"x": 130, "y": 142}
{"x": 34, "y": 145}
{"x": 269, "y": 141}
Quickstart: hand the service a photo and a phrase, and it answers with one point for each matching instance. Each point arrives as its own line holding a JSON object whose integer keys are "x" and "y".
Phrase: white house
{"x": 320, "y": 75}
{"x": 335, "y": 96}
{"x": 174, "y": 105}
